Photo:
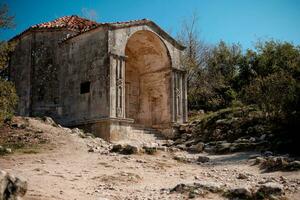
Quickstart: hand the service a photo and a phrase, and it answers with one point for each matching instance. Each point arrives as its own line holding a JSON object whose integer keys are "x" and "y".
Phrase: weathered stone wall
{"x": 84, "y": 59}
{"x": 34, "y": 69}
{"x": 20, "y": 74}
{"x": 164, "y": 85}
{"x": 118, "y": 39}
{"x": 45, "y": 62}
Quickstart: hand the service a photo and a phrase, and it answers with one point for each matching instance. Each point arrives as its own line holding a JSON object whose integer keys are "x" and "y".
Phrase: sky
{"x": 234, "y": 21}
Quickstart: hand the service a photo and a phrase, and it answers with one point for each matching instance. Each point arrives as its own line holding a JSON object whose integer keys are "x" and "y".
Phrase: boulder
{"x": 151, "y": 150}
{"x": 4, "y": 150}
{"x": 209, "y": 186}
{"x": 49, "y": 121}
{"x": 294, "y": 165}
{"x": 181, "y": 158}
{"x": 259, "y": 160}
{"x": 270, "y": 188}
{"x": 203, "y": 159}
{"x": 240, "y": 193}
{"x": 242, "y": 176}
{"x": 126, "y": 149}
{"x": 11, "y": 187}
{"x": 130, "y": 149}
{"x": 198, "y": 148}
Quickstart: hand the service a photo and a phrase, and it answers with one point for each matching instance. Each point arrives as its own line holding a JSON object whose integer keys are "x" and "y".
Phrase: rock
{"x": 11, "y": 187}
{"x": 8, "y": 150}
{"x": 254, "y": 156}
{"x": 125, "y": 149}
{"x": 183, "y": 159}
{"x": 270, "y": 188}
{"x": 4, "y": 150}
{"x": 117, "y": 148}
{"x": 210, "y": 186}
{"x": 130, "y": 149}
{"x": 179, "y": 141}
{"x": 162, "y": 148}
{"x": 193, "y": 190}
{"x": 259, "y": 160}
{"x": 240, "y": 193}
{"x": 223, "y": 147}
{"x": 150, "y": 149}
{"x": 294, "y": 165}
{"x": 198, "y": 148}
{"x": 242, "y": 176}
{"x": 203, "y": 159}
{"x": 76, "y": 131}
{"x": 275, "y": 163}
{"x": 180, "y": 188}
{"x": 49, "y": 121}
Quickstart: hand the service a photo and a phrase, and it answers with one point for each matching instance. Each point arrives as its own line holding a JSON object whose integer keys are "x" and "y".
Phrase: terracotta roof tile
{"x": 71, "y": 22}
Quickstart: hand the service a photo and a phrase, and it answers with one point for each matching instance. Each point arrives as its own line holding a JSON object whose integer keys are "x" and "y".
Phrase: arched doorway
{"x": 147, "y": 79}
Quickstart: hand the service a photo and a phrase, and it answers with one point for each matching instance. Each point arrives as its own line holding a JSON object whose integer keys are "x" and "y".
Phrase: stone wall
{"x": 35, "y": 69}
{"x": 20, "y": 74}
{"x": 84, "y": 59}
{"x": 172, "y": 82}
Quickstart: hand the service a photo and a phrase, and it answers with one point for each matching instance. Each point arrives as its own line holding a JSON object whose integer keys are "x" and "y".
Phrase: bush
{"x": 275, "y": 94}
{"x": 8, "y": 100}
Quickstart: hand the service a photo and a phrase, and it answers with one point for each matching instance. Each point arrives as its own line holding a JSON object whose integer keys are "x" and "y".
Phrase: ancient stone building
{"x": 109, "y": 78}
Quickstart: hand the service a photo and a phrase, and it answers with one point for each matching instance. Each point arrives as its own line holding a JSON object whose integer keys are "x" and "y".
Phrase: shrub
{"x": 275, "y": 94}
{"x": 8, "y": 100}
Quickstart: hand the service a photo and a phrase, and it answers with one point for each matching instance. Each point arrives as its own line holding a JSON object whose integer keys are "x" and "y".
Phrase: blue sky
{"x": 243, "y": 21}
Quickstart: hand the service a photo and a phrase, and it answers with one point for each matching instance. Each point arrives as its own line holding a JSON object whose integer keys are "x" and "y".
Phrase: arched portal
{"x": 147, "y": 79}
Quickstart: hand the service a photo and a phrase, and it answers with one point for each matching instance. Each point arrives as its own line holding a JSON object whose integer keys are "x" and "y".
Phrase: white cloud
{"x": 89, "y": 13}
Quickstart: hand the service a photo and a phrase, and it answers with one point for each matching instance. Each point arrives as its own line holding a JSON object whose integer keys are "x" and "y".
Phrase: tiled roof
{"x": 80, "y": 25}
{"x": 71, "y": 22}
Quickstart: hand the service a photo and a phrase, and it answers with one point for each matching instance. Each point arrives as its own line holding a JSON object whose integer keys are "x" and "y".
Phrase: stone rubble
{"x": 11, "y": 187}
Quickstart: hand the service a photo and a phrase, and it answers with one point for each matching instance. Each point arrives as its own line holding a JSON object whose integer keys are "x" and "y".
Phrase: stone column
{"x": 173, "y": 97}
{"x": 185, "y": 100}
{"x": 179, "y": 98}
{"x": 112, "y": 76}
{"x": 117, "y": 86}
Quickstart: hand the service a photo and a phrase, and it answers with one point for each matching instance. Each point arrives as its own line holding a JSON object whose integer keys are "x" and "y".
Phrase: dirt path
{"x": 66, "y": 170}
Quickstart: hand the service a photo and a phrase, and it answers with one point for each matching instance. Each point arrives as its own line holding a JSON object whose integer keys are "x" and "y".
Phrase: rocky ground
{"x": 68, "y": 164}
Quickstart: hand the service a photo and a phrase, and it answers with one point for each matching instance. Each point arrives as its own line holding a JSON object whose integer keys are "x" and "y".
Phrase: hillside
{"x": 62, "y": 163}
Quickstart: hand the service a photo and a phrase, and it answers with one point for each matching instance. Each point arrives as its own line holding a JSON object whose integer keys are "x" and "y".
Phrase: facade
{"x": 107, "y": 78}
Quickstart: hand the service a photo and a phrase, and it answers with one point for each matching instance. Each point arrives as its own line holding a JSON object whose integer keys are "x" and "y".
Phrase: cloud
{"x": 89, "y": 13}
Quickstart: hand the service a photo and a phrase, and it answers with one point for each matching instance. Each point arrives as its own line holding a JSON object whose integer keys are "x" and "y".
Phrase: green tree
{"x": 8, "y": 97}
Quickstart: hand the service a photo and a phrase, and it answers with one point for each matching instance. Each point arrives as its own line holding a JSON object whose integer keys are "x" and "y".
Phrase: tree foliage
{"x": 8, "y": 96}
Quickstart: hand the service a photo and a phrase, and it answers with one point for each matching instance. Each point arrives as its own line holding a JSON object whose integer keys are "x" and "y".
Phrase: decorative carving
{"x": 119, "y": 82}
{"x": 177, "y": 92}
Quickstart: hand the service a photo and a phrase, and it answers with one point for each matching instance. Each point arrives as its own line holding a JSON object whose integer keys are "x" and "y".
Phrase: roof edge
{"x": 119, "y": 25}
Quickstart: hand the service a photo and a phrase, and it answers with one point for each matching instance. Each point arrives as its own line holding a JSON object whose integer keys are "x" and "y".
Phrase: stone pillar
{"x": 185, "y": 99}
{"x": 112, "y": 75}
{"x": 178, "y": 96}
{"x": 180, "y": 99}
{"x": 117, "y": 86}
{"x": 173, "y": 97}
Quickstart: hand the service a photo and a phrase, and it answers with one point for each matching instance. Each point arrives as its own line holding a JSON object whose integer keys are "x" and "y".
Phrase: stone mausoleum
{"x": 108, "y": 78}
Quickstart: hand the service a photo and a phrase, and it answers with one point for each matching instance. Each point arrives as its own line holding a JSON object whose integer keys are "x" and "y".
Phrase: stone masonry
{"x": 104, "y": 77}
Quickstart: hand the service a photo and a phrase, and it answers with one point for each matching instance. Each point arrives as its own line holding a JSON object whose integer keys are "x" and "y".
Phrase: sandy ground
{"x": 66, "y": 170}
